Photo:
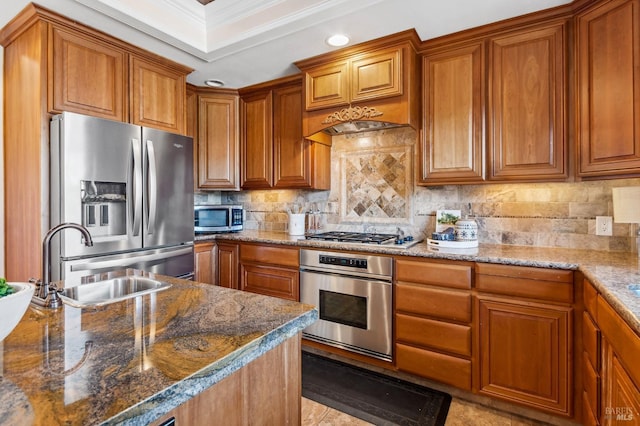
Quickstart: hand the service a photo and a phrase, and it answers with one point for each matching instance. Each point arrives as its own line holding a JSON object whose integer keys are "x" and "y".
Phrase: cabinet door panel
{"x": 377, "y": 75}
{"x": 621, "y": 396}
{"x": 327, "y": 86}
{"x": 257, "y": 141}
{"x": 526, "y": 132}
{"x": 608, "y": 64}
{"x": 158, "y": 96}
{"x": 218, "y": 143}
{"x": 89, "y": 77}
{"x": 205, "y": 258}
{"x": 453, "y": 93}
{"x": 292, "y": 155}
{"x": 524, "y": 353}
{"x": 227, "y": 270}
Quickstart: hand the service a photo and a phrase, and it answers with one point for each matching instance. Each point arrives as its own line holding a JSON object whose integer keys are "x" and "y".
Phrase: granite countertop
{"x": 131, "y": 362}
{"x": 612, "y": 273}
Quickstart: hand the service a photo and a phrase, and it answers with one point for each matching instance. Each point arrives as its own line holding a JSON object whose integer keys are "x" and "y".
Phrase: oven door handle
{"x": 385, "y": 279}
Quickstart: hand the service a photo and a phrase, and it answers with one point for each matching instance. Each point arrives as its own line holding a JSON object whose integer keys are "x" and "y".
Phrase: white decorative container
{"x": 14, "y": 306}
{"x": 296, "y": 223}
{"x": 466, "y": 230}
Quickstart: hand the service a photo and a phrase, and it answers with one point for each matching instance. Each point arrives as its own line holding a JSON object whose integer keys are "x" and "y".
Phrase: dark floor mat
{"x": 370, "y": 396}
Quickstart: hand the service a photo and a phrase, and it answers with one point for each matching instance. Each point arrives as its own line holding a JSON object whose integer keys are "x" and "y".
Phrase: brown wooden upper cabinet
{"x": 218, "y": 139}
{"x": 452, "y": 148}
{"x": 274, "y": 152}
{"x": 526, "y": 137}
{"x": 367, "y": 76}
{"x": 608, "y": 89}
{"x": 88, "y": 76}
{"x": 376, "y": 80}
{"x": 511, "y": 130}
{"x": 158, "y": 95}
{"x": 93, "y": 75}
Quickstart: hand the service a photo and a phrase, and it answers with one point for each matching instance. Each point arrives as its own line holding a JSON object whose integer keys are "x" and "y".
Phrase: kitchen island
{"x": 139, "y": 361}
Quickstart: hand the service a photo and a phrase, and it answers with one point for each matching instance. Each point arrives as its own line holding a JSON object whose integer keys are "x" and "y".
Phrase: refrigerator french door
{"x": 130, "y": 186}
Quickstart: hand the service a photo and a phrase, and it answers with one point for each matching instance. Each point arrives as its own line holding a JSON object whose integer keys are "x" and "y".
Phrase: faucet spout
{"x": 50, "y": 299}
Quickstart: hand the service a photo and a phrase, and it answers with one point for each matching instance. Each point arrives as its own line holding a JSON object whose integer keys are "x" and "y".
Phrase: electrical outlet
{"x": 604, "y": 225}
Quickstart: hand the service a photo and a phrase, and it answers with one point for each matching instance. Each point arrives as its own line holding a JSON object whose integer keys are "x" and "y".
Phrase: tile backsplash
{"x": 372, "y": 188}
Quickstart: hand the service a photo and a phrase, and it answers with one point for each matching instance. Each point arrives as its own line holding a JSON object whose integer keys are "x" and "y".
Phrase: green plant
{"x": 5, "y": 289}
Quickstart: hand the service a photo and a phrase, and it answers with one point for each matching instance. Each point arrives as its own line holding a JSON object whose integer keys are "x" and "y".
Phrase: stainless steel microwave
{"x": 218, "y": 218}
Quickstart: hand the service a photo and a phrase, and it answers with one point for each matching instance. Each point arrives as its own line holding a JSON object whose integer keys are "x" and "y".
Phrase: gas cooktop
{"x": 388, "y": 240}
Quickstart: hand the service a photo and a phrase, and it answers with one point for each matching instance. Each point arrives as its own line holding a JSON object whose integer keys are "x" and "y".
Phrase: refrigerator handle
{"x": 91, "y": 264}
{"x": 153, "y": 188}
{"x": 137, "y": 186}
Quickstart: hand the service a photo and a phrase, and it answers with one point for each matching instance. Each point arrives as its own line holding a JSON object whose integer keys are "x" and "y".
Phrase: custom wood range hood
{"x": 365, "y": 87}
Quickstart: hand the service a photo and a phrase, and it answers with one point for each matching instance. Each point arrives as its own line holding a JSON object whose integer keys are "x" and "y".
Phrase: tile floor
{"x": 461, "y": 413}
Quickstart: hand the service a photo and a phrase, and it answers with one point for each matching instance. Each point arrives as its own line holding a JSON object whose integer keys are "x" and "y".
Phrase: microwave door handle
{"x": 153, "y": 187}
{"x": 137, "y": 186}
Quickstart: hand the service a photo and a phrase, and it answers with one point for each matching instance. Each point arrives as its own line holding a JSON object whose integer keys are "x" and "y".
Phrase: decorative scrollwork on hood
{"x": 351, "y": 114}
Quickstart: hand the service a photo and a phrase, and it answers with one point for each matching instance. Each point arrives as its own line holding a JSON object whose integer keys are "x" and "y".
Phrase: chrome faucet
{"x": 47, "y": 295}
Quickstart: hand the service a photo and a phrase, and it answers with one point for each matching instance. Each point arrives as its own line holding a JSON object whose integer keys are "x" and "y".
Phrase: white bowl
{"x": 13, "y": 307}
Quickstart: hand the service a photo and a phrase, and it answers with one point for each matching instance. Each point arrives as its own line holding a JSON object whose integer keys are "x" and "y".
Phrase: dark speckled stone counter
{"x": 133, "y": 361}
{"x": 611, "y": 272}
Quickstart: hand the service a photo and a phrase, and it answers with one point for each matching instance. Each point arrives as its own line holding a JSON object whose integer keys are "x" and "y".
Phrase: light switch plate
{"x": 604, "y": 225}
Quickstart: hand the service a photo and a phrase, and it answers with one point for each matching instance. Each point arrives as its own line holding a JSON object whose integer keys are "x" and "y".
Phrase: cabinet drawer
{"x": 440, "y": 303}
{"x": 432, "y": 365}
{"x": 590, "y": 298}
{"x": 591, "y": 341}
{"x": 435, "y": 334}
{"x": 588, "y": 419}
{"x": 271, "y": 281}
{"x": 591, "y": 386}
{"x": 448, "y": 275}
{"x": 523, "y": 281}
{"x": 273, "y": 255}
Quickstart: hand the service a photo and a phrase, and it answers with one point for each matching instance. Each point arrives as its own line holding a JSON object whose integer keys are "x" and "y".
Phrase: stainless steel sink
{"x": 110, "y": 291}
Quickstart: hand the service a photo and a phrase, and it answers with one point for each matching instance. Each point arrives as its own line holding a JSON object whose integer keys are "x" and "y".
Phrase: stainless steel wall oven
{"x": 353, "y": 294}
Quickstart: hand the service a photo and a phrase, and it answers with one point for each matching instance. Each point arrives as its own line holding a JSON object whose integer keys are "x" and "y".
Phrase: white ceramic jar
{"x": 466, "y": 230}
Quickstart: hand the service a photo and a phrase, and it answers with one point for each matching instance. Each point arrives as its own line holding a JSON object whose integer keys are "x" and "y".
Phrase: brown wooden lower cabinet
{"x": 620, "y": 401}
{"x": 434, "y": 365}
{"x": 524, "y": 353}
{"x": 270, "y": 281}
{"x": 621, "y": 396}
{"x": 205, "y": 262}
{"x": 271, "y": 270}
{"x": 266, "y": 391}
{"x": 433, "y": 320}
{"x": 227, "y": 268}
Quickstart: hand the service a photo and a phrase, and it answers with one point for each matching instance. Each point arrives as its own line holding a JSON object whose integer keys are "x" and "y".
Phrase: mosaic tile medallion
{"x": 376, "y": 185}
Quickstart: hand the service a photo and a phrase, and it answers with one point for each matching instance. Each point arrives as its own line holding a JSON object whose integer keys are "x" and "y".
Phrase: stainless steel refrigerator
{"x": 131, "y": 187}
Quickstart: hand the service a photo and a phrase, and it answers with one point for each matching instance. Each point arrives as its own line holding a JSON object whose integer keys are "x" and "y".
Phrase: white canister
{"x": 296, "y": 223}
{"x": 466, "y": 230}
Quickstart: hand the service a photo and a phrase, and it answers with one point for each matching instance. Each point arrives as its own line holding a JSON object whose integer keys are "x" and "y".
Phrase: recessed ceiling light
{"x": 212, "y": 82}
{"x": 338, "y": 40}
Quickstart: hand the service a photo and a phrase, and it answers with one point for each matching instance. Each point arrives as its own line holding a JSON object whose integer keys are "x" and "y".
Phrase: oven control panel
{"x": 343, "y": 261}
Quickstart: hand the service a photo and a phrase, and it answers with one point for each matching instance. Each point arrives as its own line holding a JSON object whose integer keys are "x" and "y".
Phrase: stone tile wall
{"x": 372, "y": 188}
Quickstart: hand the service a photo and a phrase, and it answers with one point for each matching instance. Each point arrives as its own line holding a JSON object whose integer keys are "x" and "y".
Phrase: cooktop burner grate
{"x": 353, "y": 237}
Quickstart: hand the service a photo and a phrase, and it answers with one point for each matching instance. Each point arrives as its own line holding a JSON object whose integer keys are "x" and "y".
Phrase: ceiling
{"x": 252, "y": 41}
